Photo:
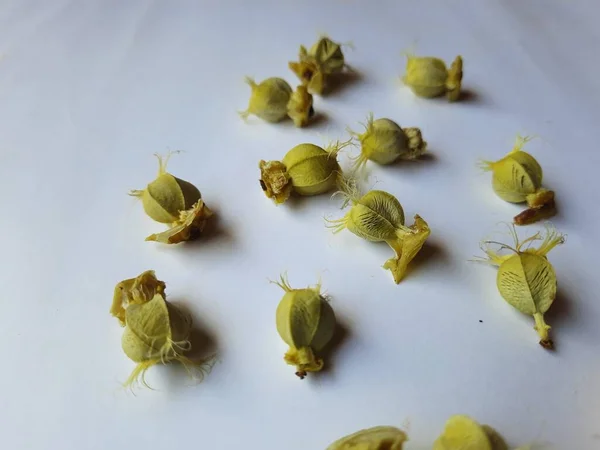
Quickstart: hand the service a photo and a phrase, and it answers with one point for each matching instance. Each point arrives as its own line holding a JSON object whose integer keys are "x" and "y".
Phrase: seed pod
{"x": 429, "y": 77}
{"x": 462, "y": 433}
{"x": 269, "y": 99}
{"x": 378, "y": 216}
{"x": 306, "y": 169}
{"x": 173, "y": 201}
{"x": 328, "y": 55}
{"x": 305, "y": 322}
{"x": 517, "y": 178}
{"x": 376, "y": 438}
{"x": 385, "y": 142}
{"x": 526, "y": 280}
{"x": 135, "y": 291}
{"x": 155, "y": 332}
{"x": 310, "y": 72}
{"x": 273, "y": 100}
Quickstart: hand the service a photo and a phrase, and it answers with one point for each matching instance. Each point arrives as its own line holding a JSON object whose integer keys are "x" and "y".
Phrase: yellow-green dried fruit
{"x": 384, "y": 142}
{"x": 378, "y": 216}
{"x": 526, "y": 280}
{"x": 273, "y": 100}
{"x": 316, "y": 65}
{"x": 135, "y": 291}
{"x": 156, "y": 332}
{"x": 429, "y": 77}
{"x": 376, "y": 438}
{"x": 517, "y": 178}
{"x": 269, "y": 99}
{"x": 462, "y": 433}
{"x": 328, "y": 54}
{"x": 305, "y": 322}
{"x": 176, "y": 202}
{"x": 306, "y": 169}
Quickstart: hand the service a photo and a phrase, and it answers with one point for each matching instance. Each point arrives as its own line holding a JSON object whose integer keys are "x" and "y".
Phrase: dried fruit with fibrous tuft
{"x": 384, "y": 142}
{"x": 378, "y": 216}
{"x": 526, "y": 280}
{"x": 171, "y": 200}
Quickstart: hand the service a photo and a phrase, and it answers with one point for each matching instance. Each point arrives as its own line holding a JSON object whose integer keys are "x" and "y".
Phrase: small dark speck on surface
{"x": 481, "y": 321}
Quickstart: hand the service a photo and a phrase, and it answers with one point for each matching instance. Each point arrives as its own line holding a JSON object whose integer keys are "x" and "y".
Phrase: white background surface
{"x": 90, "y": 89}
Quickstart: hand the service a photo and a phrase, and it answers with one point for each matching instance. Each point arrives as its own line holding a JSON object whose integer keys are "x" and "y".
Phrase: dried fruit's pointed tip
{"x": 486, "y": 166}
{"x": 136, "y": 192}
{"x": 250, "y": 82}
{"x": 548, "y": 344}
{"x": 244, "y": 114}
{"x": 394, "y": 266}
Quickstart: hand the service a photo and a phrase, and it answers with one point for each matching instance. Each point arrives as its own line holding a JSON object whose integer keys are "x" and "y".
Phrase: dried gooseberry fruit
{"x": 156, "y": 332}
{"x": 517, "y": 178}
{"x": 378, "y": 216}
{"x": 526, "y": 280}
{"x": 171, "y": 200}
{"x": 306, "y": 169}
{"x": 273, "y": 100}
{"x": 317, "y": 64}
{"x": 429, "y": 77}
{"x": 384, "y": 142}
{"x": 306, "y": 322}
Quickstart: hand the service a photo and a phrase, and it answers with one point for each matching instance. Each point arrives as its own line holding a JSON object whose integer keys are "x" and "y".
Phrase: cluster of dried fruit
{"x": 158, "y": 332}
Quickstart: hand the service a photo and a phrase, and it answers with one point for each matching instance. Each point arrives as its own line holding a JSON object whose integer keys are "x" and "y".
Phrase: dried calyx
{"x": 135, "y": 291}
{"x": 317, "y": 64}
{"x": 306, "y": 169}
{"x": 274, "y": 100}
{"x": 384, "y": 142}
{"x": 175, "y": 202}
{"x": 378, "y": 216}
{"x": 305, "y": 322}
{"x": 429, "y": 77}
{"x": 526, "y": 280}
{"x": 376, "y": 438}
{"x": 156, "y": 332}
{"x": 517, "y": 178}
